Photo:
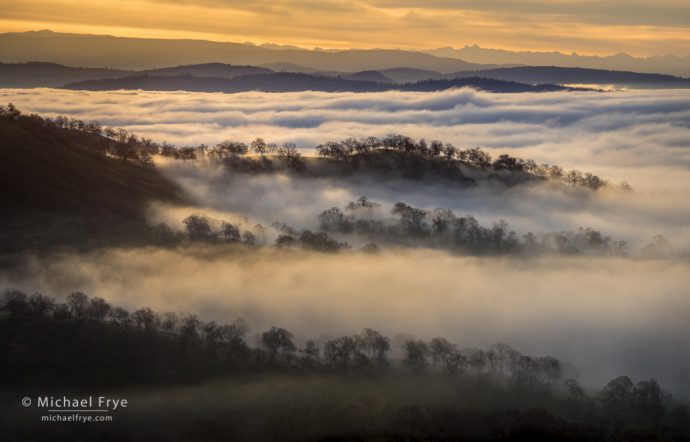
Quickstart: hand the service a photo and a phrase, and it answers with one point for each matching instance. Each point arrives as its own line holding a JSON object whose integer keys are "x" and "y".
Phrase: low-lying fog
{"x": 606, "y": 315}
{"x": 639, "y": 136}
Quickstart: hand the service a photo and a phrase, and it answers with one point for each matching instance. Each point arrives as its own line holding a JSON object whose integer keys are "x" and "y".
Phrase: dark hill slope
{"x": 293, "y": 82}
{"x": 39, "y": 74}
{"x": 220, "y": 70}
{"x": 560, "y": 75}
{"x": 56, "y": 188}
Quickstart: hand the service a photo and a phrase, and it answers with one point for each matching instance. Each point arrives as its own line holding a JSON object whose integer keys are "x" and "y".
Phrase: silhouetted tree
{"x": 416, "y": 354}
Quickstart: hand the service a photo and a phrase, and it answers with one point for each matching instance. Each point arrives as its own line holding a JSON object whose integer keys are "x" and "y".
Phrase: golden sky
{"x": 586, "y": 26}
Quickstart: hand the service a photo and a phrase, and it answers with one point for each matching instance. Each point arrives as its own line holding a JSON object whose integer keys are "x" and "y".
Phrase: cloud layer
{"x": 588, "y": 130}
{"x": 641, "y": 137}
{"x": 607, "y": 316}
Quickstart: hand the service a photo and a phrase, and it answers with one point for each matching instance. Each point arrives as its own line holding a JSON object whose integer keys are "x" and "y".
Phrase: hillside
{"x": 57, "y": 188}
{"x": 292, "y": 82}
{"x": 667, "y": 64}
{"x": 562, "y": 75}
{"x": 220, "y": 70}
{"x": 41, "y": 74}
{"x": 142, "y": 53}
{"x": 292, "y": 77}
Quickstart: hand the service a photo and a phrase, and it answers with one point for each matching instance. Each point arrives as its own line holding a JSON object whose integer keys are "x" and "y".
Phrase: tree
{"x": 98, "y": 309}
{"x": 506, "y": 162}
{"x": 363, "y": 206}
{"x": 575, "y": 390}
{"x": 476, "y": 157}
{"x": 449, "y": 152}
{"x": 593, "y": 182}
{"x": 441, "y": 350}
{"x": 292, "y": 157}
{"x": 411, "y": 219}
{"x": 375, "y": 344}
{"x": 15, "y": 302}
{"x": 310, "y": 355}
{"x": 259, "y": 146}
{"x": 340, "y": 353}
{"x": 435, "y": 149}
{"x": 10, "y": 112}
{"x": 198, "y": 228}
{"x": 248, "y": 238}
{"x": 40, "y": 305}
{"x": 320, "y": 242}
{"x": 334, "y": 220}
{"x": 144, "y": 318}
{"x": 77, "y": 303}
{"x": 285, "y": 242}
{"x": 190, "y": 326}
{"x": 163, "y": 234}
{"x": 120, "y": 316}
{"x": 230, "y": 232}
{"x": 442, "y": 220}
{"x": 169, "y": 322}
{"x": 278, "y": 340}
{"x": 416, "y": 354}
{"x": 650, "y": 401}
{"x": 616, "y": 397}
{"x": 229, "y": 147}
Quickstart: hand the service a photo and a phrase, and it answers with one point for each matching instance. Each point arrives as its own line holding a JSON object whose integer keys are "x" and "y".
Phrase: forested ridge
{"x": 97, "y": 181}
{"x": 85, "y": 342}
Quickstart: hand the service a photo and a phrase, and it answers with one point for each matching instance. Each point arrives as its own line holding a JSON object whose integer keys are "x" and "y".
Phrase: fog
{"x": 607, "y": 316}
{"x": 539, "y": 208}
{"x": 612, "y": 134}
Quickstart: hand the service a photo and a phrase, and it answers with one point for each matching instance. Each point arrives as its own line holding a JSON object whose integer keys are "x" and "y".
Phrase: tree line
{"x": 421, "y": 154}
{"x": 441, "y": 228}
{"x": 364, "y": 221}
{"x": 413, "y": 157}
{"x": 209, "y": 348}
{"x": 85, "y": 342}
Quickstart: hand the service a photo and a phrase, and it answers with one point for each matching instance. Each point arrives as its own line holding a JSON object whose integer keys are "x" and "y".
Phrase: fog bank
{"x": 606, "y": 316}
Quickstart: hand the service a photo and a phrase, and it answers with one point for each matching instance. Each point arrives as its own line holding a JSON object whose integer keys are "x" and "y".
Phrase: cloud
{"x": 587, "y": 130}
{"x": 641, "y": 137}
{"x": 588, "y": 27}
{"x": 607, "y": 316}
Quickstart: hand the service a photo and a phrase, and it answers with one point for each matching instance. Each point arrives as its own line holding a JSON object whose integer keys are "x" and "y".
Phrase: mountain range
{"x": 664, "y": 64}
{"x": 221, "y": 77}
{"x": 295, "y": 82}
{"x": 143, "y": 53}
{"x": 45, "y": 59}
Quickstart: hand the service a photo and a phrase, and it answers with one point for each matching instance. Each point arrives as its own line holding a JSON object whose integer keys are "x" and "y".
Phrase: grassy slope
{"x": 55, "y": 188}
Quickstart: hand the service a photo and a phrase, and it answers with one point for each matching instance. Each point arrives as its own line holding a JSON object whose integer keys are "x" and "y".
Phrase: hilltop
{"x": 293, "y": 82}
{"x": 58, "y": 187}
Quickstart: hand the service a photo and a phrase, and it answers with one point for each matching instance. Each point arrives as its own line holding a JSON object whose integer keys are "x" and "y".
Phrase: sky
{"x": 600, "y": 27}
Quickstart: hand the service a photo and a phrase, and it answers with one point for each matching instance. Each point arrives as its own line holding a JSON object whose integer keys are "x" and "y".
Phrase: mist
{"x": 607, "y": 316}
{"x": 611, "y": 134}
{"x": 635, "y": 217}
